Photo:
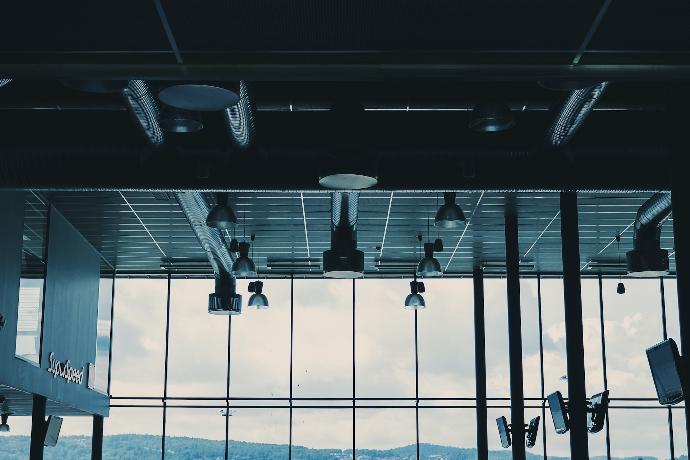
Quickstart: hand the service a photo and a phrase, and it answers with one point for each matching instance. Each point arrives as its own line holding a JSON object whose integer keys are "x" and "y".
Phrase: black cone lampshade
{"x": 449, "y": 215}
{"x": 221, "y": 215}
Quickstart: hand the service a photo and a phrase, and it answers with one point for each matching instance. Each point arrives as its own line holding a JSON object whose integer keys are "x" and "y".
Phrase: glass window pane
{"x": 74, "y": 441}
{"x": 496, "y": 451}
{"x": 530, "y": 338}
{"x": 322, "y": 363}
{"x": 639, "y": 432}
{"x": 633, "y": 323}
{"x": 532, "y": 410}
{"x": 133, "y": 434}
{"x": 496, "y": 324}
{"x": 446, "y": 339}
{"x": 679, "y": 434}
{"x": 384, "y": 339}
{"x": 268, "y": 427}
{"x": 329, "y": 430}
{"x": 450, "y": 429}
{"x": 199, "y": 433}
{"x": 198, "y": 347}
{"x": 105, "y": 302}
{"x": 591, "y": 323}
{"x": 16, "y": 443}
{"x": 31, "y": 283}
{"x": 385, "y": 430}
{"x": 553, "y": 324}
{"x": 139, "y": 337}
{"x": 261, "y": 345}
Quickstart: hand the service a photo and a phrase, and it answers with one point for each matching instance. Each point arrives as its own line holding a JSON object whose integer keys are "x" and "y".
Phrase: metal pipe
{"x": 577, "y": 398}
{"x": 573, "y": 114}
{"x": 480, "y": 364}
{"x": 517, "y": 402}
{"x": 195, "y": 208}
{"x": 681, "y": 228}
{"x": 650, "y": 216}
{"x": 97, "y": 438}
{"x": 38, "y": 427}
{"x": 144, "y": 106}
{"x": 240, "y": 118}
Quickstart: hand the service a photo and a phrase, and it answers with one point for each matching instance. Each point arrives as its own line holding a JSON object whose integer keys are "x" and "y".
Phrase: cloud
{"x": 384, "y": 356}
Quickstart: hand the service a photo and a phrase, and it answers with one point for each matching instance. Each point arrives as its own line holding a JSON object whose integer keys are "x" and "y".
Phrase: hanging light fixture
{"x": 4, "y": 427}
{"x": 491, "y": 117}
{"x": 414, "y": 300}
{"x": 221, "y": 215}
{"x": 620, "y": 289}
{"x": 428, "y": 266}
{"x": 258, "y": 299}
{"x": 449, "y": 215}
{"x": 225, "y": 300}
{"x": 244, "y": 265}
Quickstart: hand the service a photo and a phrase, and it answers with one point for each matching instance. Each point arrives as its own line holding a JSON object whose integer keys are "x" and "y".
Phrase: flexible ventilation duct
{"x": 4, "y": 81}
{"x": 240, "y": 118}
{"x": 647, "y": 258}
{"x": 144, "y": 106}
{"x": 344, "y": 260}
{"x": 224, "y": 300}
{"x": 573, "y": 113}
{"x": 196, "y": 209}
{"x": 344, "y": 209}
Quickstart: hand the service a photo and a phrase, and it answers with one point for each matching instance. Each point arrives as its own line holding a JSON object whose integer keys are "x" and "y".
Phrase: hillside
{"x": 145, "y": 447}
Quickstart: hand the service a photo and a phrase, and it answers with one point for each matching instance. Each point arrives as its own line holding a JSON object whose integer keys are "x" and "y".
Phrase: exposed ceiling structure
{"x": 476, "y": 97}
{"x": 138, "y": 232}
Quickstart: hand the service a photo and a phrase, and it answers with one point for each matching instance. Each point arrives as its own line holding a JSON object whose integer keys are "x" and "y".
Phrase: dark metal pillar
{"x": 517, "y": 397}
{"x": 38, "y": 427}
{"x": 480, "y": 364}
{"x": 577, "y": 397}
{"x": 165, "y": 368}
{"x": 681, "y": 236}
{"x": 97, "y": 438}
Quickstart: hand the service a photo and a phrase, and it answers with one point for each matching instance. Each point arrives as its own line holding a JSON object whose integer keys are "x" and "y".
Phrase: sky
{"x": 385, "y": 360}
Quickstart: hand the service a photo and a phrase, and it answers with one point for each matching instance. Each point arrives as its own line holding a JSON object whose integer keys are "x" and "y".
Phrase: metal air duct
{"x": 144, "y": 106}
{"x": 647, "y": 259}
{"x": 573, "y": 113}
{"x": 240, "y": 118}
{"x": 224, "y": 300}
{"x": 344, "y": 260}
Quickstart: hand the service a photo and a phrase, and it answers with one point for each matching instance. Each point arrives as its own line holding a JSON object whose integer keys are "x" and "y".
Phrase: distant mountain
{"x": 145, "y": 447}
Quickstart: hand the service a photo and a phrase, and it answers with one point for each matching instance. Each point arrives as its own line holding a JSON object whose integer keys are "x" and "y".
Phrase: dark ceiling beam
{"x": 99, "y": 168}
{"x": 328, "y": 67}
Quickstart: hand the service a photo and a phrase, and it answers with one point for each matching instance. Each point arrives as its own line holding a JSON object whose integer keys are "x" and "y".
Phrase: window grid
{"x": 354, "y": 402}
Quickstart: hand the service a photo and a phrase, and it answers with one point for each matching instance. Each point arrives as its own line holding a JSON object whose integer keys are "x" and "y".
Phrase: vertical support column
{"x": 165, "y": 369}
{"x": 664, "y": 332}
{"x": 97, "y": 438}
{"x": 577, "y": 398}
{"x": 680, "y": 197}
{"x": 292, "y": 342}
{"x": 38, "y": 427}
{"x": 541, "y": 367}
{"x": 480, "y": 364}
{"x": 416, "y": 383}
{"x": 517, "y": 397}
{"x": 227, "y": 391}
{"x": 354, "y": 369}
{"x": 604, "y": 369}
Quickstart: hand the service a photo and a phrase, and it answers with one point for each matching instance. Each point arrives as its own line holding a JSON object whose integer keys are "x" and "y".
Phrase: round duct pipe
{"x": 647, "y": 258}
